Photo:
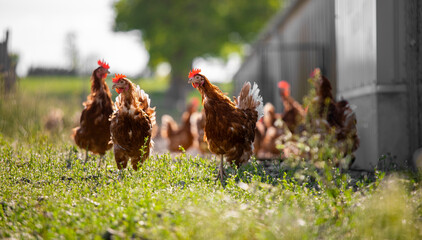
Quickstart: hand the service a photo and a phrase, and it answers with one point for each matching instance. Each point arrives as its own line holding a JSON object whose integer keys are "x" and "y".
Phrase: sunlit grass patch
{"x": 47, "y": 192}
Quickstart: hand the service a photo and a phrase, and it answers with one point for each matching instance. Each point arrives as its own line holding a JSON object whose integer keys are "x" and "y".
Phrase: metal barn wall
{"x": 296, "y": 41}
{"x": 357, "y": 71}
{"x": 370, "y": 50}
{"x": 374, "y": 71}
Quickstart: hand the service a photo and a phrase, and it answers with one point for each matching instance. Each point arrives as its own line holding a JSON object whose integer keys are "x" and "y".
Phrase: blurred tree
{"x": 177, "y": 31}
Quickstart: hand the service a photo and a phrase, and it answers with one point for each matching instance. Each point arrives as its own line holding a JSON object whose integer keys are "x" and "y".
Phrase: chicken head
{"x": 120, "y": 83}
{"x": 284, "y": 88}
{"x": 102, "y": 71}
{"x": 195, "y": 78}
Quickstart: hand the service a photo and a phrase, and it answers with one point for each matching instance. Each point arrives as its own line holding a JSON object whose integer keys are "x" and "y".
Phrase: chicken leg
{"x": 221, "y": 172}
{"x": 100, "y": 161}
{"x": 86, "y": 154}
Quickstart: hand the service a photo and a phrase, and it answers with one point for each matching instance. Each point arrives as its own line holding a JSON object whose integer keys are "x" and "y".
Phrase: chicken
{"x": 198, "y": 128}
{"x": 229, "y": 126}
{"x": 323, "y": 106}
{"x": 337, "y": 115}
{"x": 270, "y": 116}
{"x": 268, "y": 129}
{"x": 259, "y": 136}
{"x": 293, "y": 113}
{"x": 275, "y": 125}
{"x": 347, "y": 135}
{"x": 131, "y": 123}
{"x": 179, "y": 136}
{"x": 54, "y": 120}
{"x": 93, "y": 133}
{"x": 328, "y": 123}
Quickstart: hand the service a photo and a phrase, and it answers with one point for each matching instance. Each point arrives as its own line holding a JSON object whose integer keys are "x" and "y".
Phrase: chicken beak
{"x": 114, "y": 86}
{"x": 190, "y": 80}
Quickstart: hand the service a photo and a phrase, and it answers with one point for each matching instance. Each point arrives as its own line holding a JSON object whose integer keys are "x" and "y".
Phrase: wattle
{"x": 119, "y": 90}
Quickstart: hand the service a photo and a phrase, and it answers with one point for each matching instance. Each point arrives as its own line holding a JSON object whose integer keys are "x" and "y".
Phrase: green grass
{"x": 46, "y": 192}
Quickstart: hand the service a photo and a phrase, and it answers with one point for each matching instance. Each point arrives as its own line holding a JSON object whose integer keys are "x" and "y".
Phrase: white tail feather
{"x": 250, "y": 98}
{"x": 258, "y": 98}
{"x": 143, "y": 98}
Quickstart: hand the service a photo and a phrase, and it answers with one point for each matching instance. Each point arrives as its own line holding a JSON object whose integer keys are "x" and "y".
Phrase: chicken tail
{"x": 145, "y": 101}
{"x": 168, "y": 126}
{"x": 249, "y": 98}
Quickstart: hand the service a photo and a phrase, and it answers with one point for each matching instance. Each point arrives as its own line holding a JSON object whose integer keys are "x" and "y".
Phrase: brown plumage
{"x": 198, "y": 128}
{"x": 275, "y": 125}
{"x": 327, "y": 116}
{"x": 347, "y": 134}
{"x": 259, "y": 136}
{"x": 293, "y": 114}
{"x": 229, "y": 127}
{"x": 179, "y": 136}
{"x": 267, "y": 131}
{"x": 325, "y": 104}
{"x": 131, "y": 124}
{"x": 93, "y": 133}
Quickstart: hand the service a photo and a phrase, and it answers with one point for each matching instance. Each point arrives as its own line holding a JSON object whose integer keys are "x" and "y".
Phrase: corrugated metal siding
{"x": 371, "y": 52}
{"x": 356, "y": 43}
{"x": 303, "y": 40}
{"x": 375, "y": 62}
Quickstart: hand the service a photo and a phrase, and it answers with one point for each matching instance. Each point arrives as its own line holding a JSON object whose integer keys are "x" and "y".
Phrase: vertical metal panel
{"x": 368, "y": 49}
{"x": 356, "y": 43}
{"x": 355, "y": 26}
{"x": 300, "y": 43}
{"x": 366, "y": 113}
{"x": 412, "y": 71}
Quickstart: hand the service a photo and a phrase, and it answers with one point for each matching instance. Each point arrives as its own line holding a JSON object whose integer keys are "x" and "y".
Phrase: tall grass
{"x": 46, "y": 191}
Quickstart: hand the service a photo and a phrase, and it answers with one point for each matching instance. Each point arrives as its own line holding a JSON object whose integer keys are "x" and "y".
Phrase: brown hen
{"x": 93, "y": 133}
{"x": 326, "y": 116}
{"x": 293, "y": 113}
{"x": 179, "y": 136}
{"x": 229, "y": 126}
{"x": 131, "y": 124}
{"x": 198, "y": 124}
{"x": 268, "y": 129}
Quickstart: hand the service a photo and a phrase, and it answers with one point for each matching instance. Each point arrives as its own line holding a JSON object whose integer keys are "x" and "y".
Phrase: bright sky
{"x": 38, "y": 32}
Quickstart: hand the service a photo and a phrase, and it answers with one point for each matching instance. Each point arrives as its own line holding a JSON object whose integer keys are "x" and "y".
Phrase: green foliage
{"x": 178, "y": 31}
{"x": 317, "y": 141}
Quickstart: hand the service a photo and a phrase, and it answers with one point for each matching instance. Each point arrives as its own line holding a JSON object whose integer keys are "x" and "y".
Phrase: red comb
{"x": 284, "y": 85}
{"x": 103, "y": 64}
{"x": 194, "y": 72}
{"x": 118, "y": 77}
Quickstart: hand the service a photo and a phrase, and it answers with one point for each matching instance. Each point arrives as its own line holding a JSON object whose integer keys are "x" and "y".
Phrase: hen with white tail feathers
{"x": 131, "y": 123}
{"x": 229, "y": 126}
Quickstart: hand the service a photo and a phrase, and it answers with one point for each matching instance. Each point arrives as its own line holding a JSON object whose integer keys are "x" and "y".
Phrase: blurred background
{"x": 368, "y": 49}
